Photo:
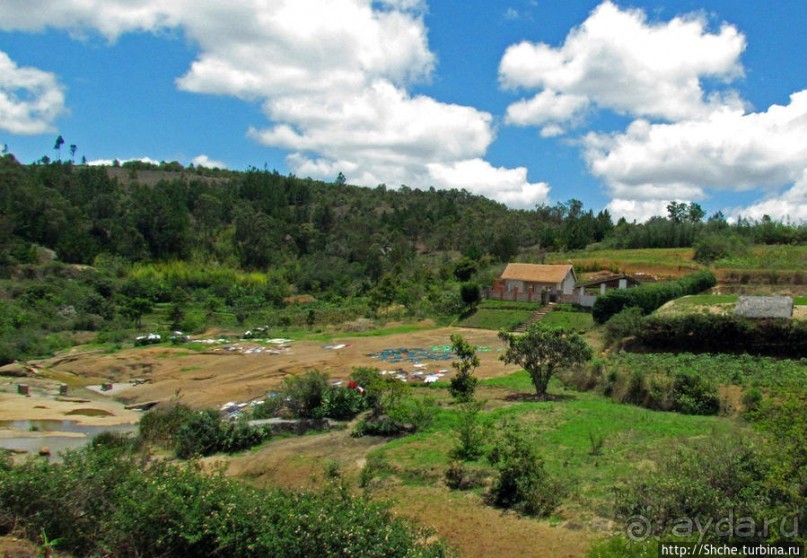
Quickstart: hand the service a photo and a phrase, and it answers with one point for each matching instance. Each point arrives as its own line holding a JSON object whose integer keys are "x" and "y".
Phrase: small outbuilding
{"x": 589, "y": 291}
{"x": 762, "y": 307}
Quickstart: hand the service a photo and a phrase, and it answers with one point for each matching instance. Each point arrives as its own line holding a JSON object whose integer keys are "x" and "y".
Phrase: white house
{"x": 527, "y": 281}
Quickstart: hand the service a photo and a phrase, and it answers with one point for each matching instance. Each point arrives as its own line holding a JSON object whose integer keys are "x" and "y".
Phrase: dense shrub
{"x": 405, "y": 416}
{"x": 393, "y": 411}
{"x": 271, "y": 406}
{"x": 469, "y": 293}
{"x": 693, "y": 394}
{"x": 305, "y": 393}
{"x": 650, "y": 296}
{"x": 751, "y": 399}
{"x": 160, "y": 425}
{"x": 716, "y": 246}
{"x": 200, "y": 435}
{"x": 710, "y": 481}
{"x": 238, "y": 435}
{"x": 196, "y": 433}
{"x": 463, "y": 384}
{"x": 785, "y": 424}
{"x": 663, "y": 389}
{"x": 101, "y": 503}
{"x": 343, "y": 403}
{"x": 621, "y": 547}
{"x": 626, "y": 323}
{"x": 715, "y": 333}
{"x": 523, "y": 484}
{"x": 470, "y": 433}
{"x": 119, "y": 441}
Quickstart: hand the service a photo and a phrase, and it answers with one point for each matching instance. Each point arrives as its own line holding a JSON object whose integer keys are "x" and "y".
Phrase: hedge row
{"x": 650, "y": 296}
{"x": 713, "y": 333}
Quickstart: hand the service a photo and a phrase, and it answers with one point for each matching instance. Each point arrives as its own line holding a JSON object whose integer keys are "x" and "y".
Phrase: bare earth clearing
{"x": 212, "y": 377}
{"x": 216, "y": 375}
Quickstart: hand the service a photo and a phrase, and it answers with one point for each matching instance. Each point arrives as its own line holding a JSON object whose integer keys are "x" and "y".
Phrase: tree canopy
{"x": 541, "y": 352}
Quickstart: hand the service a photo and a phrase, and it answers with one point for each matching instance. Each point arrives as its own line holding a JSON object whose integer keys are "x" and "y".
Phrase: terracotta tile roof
{"x": 535, "y": 273}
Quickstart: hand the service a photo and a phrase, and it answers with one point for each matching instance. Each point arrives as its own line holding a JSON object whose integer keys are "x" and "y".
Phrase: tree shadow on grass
{"x": 531, "y": 397}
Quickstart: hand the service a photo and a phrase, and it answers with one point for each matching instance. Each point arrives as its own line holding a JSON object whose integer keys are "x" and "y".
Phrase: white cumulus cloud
{"x": 30, "y": 99}
{"x": 729, "y": 150}
{"x": 616, "y": 60}
{"x": 790, "y": 205}
{"x": 333, "y": 77}
{"x": 509, "y": 186}
{"x": 685, "y": 141}
{"x": 205, "y": 161}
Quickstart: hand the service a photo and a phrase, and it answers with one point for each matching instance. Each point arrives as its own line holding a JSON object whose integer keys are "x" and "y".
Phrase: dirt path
{"x": 480, "y": 531}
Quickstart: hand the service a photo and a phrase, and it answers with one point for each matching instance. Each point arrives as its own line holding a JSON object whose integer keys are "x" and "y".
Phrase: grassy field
{"x": 495, "y": 319}
{"x": 569, "y": 321}
{"x": 499, "y": 314}
{"x": 765, "y": 264}
{"x": 664, "y": 262}
{"x": 563, "y": 429}
{"x": 768, "y": 257}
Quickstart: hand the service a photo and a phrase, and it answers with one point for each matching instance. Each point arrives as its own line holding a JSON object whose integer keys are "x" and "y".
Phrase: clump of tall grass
{"x": 196, "y": 275}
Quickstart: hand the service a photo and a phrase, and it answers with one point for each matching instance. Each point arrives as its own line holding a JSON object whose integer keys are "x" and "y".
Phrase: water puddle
{"x": 38, "y": 434}
{"x": 91, "y": 413}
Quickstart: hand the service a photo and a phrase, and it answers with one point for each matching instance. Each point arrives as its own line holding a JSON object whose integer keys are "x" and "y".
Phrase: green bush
{"x": 271, "y": 407}
{"x": 239, "y": 435}
{"x": 6, "y": 461}
{"x": 380, "y": 426}
{"x": 419, "y": 412}
{"x": 784, "y": 422}
{"x": 717, "y": 246}
{"x": 621, "y": 547}
{"x": 523, "y": 483}
{"x": 715, "y": 333}
{"x": 115, "y": 440}
{"x": 200, "y": 435}
{"x": 707, "y": 481}
{"x": 469, "y": 293}
{"x": 463, "y": 386}
{"x": 650, "y": 296}
{"x": 470, "y": 434}
{"x": 667, "y": 389}
{"x": 626, "y": 323}
{"x": 305, "y": 394}
{"x": 694, "y": 395}
{"x": 343, "y": 403}
{"x": 98, "y": 502}
{"x": 194, "y": 433}
{"x": 160, "y": 425}
{"x": 752, "y": 400}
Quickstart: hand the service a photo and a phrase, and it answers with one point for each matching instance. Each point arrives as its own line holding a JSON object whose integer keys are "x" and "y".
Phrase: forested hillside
{"x": 190, "y": 248}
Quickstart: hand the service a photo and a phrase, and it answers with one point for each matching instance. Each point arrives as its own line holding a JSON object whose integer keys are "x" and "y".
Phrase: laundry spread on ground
{"x": 415, "y": 355}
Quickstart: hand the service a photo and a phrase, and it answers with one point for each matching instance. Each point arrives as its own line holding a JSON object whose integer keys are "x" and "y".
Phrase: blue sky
{"x": 621, "y": 105}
